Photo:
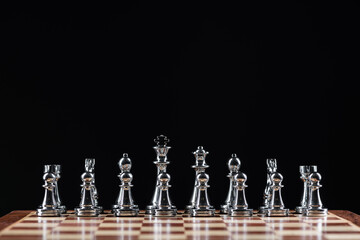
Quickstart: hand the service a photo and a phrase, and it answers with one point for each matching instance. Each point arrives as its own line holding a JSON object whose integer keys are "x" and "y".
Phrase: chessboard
{"x": 26, "y": 225}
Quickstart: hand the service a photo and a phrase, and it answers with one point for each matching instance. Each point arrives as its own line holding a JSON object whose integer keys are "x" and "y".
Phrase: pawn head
{"x": 125, "y": 163}
{"x": 234, "y": 163}
{"x": 315, "y": 177}
{"x": 240, "y": 177}
{"x": 49, "y": 177}
{"x": 87, "y": 177}
{"x": 277, "y": 177}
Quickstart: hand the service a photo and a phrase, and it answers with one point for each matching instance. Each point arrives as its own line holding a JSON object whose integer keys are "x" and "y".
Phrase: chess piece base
{"x": 87, "y": 212}
{"x": 240, "y": 212}
{"x": 62, "y": 209}
{"x": 126, "y": 212}
{"x": 202, "y": 212}
{"x": 277, "y": 212}
{"x": 44, "y": 212}
{"x": 299, "y": 210}
{"x": 315, "y": 212}
{"x": 224, "y": 209}
{"x": 262, "y": 210}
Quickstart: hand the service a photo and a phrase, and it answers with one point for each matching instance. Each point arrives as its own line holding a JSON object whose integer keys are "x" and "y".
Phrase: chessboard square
{"x": 43, "y": 219}
{"x": 24, "y": 232}
{"x": 82, "y": 222}
{"x": 243, "y": 221}
{"x": 289, "y": 224}
{"x": 124, "y": 219}
{"x": 40, "y": 225}
{"x": 120, "y": 225}
{"x": 342, "y": 236}
{"x": 249, "y": 229}
{"x": 206, "y": 225}
{"x": 119, "y": 234}
{"x": 75, "y": 228}
{"x": 70, "y": 237}
{"x": 298, "y": 233}
{"x": 349, "y": 228}
{"x": 223, "y": 233}
{"x": 253, "y": 237}
{"x": 162, "y": 237}
{"x": 162, "y": 229}
{"x": 162, "y": 221}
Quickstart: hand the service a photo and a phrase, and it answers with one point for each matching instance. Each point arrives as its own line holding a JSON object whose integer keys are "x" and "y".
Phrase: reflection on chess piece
{"x": 315, "y": 206}
{"x": 88, "y": 205}
{"x": 49, "y": 207}
{"x": 199, "y": 167}
{"x": 276, "y": 204}
{"x": 234, "y": 166}
{"x": 271, "y": 168}
{"x": 161, "y": 163}
{"x": 202, "y": 206}
{"x": 239, "y": 206}
{"x": 125, "y": 205}
{"x": 304, "y": 176}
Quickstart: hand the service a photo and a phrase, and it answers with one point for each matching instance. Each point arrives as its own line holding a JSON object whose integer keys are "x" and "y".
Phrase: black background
{"x": 260, "y": 80}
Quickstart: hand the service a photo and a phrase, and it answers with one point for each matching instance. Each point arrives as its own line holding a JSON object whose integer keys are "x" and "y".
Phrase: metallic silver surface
{"x": 234, "y": 167}
{"x": 238, "y": 204}
{"x": 304, "y": 174}
{"x": 56, "y": 169}
{"x": 125, "y": 205}
{"x": 161, "y": 188}
{"x": 88, "y": 206}
{"x": 271, "y": 168}
{"x": 200, "y": 166}
{"x": 315, "y": 206}
{"x": 276, "y": 204}
{"x": 202, "y": 205}
{"x": 49, "y": 206}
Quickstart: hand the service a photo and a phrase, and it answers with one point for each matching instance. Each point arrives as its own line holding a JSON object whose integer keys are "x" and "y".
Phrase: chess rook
{"x": 315, "y": 206}
{"x": 238, "y": 204}
{"x": 125, "y": 205}
{"x": 276, "y": 204}
{"x": 202, "y": 206}
{"x": 199, "y": 167}
{"x": 234, "y": 166}
{"x": 304, "y": 175}
{"x": 49, "y": 206}
{"x": 88, "y": 205}
{"x": 161, "y": 163}
{"x": 271, "y": 168}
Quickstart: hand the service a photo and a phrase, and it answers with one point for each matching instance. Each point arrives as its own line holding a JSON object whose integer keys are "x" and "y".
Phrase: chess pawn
{"x": 276, "y": 204}
{"x": 200, "y": 166}
{"x": 87, "y": 206}
{"x": 90, "y": 167}
{"x": 125, "y": 204}
{"x": 164, "y": 206}
{"x": 55, "y": 169}
{"x": 49, "y": 207}
{"x": 202, "y": 206}
{"x": 239, "y": 206}
{"x": 271, "y": 168}
{"x": 304, "y": 176}
{"x": 234, "y": 166}
{"x": 315, "y": 206}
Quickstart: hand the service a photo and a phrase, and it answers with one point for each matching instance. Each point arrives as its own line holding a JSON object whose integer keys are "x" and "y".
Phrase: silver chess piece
{"x": 164, "y": 206}
{"x": 239, "y": 205}
{"x": 315, "y": 206}
{"x": 199, "y": 167}
{"x": 49, "y": 206}
{"x": 304, "y": 176}
{"x": 202, "y": 206}
{"x": 271, "y": 168}
{"x": 234, "y": 166}
{"x": 88, "y": 206}
{"x": 125, "y": 205}
{"x": 161, "y": 163}
{"x": 276, "y": 204}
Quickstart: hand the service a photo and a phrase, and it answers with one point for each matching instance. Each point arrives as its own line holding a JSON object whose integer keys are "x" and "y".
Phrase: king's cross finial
{"x": 161, "y": 140}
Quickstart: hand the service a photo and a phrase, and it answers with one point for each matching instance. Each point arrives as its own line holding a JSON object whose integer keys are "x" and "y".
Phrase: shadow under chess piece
{"x": 202, "y": 206}
{"x": 239, "y": 206}
{"x": 234, "y": 167}
{"x": 305, "y": 171}
{"x": 315, "y": 206}
{"x": 271, "y": 168}
{"x": 276, "y": 204}
{"x": 49, "y": 207}
{"x": 125, "y": 205}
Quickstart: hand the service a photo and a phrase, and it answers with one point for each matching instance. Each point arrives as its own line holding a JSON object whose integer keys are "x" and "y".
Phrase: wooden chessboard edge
{"x": 17, "y": 215}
